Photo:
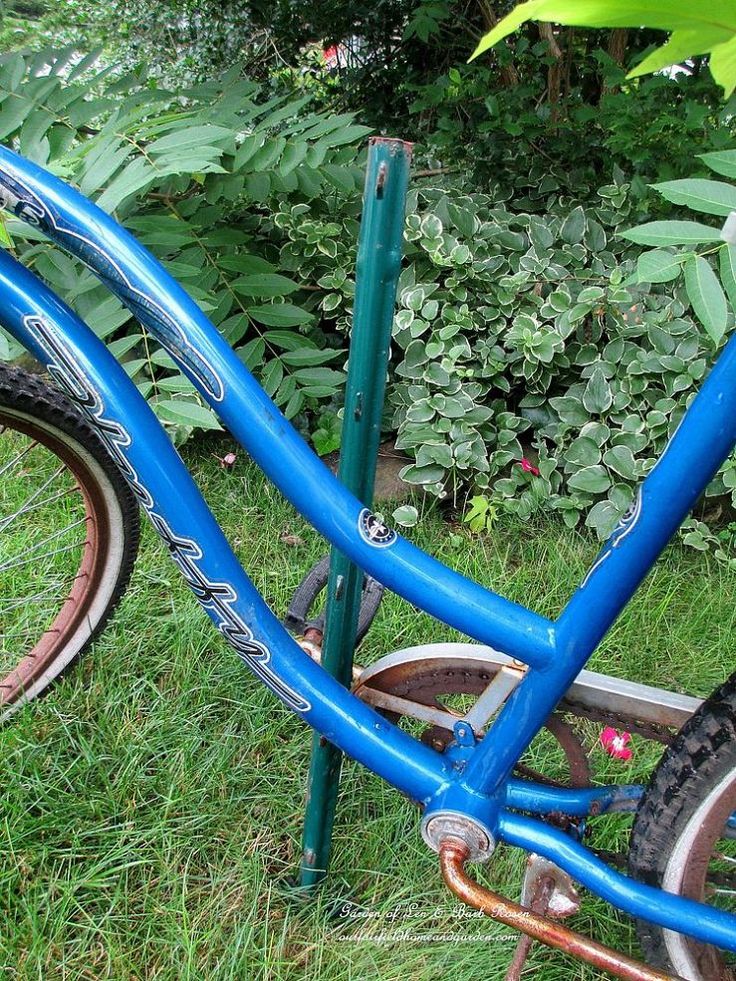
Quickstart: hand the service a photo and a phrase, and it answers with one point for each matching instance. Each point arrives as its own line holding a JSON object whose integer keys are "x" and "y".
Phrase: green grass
{"x": 40, "y": 552}
{"x": 151, "y": 805}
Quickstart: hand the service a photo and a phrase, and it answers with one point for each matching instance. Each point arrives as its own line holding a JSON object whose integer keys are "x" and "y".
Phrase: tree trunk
{"x": 617, "y": 44}
{"x": 508, "y": 73}
{"x": 617, "y": 41}
{"x": 555, "y": 70}
{"x": 569, "y": 51}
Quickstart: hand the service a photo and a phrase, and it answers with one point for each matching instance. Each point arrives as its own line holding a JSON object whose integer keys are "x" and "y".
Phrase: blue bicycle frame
{"x": 472, "y": 779}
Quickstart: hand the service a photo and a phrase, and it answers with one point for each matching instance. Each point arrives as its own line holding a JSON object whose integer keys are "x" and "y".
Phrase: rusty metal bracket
{"x": 453, "y": 856}
{"x": 546, "y": 890}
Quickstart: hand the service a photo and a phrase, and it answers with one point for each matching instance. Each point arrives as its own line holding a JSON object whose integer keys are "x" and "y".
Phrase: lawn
{"x": 151, "y": 805}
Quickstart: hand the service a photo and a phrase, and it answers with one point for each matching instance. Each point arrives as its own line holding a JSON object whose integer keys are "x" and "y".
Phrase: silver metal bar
{"x": 590, "y": 689}
{"x": 18, "y": 458}
{"x": 25, "y": 508}
{"x": 34, "y": 558}
{"x": 493, "y": 697}
{"x": 404, "y": 706}
{"x": 44, "y": 594}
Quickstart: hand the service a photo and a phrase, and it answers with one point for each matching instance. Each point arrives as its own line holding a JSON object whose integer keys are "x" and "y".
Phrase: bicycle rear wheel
{"x": 684, "y": 837}
{"x": 68, "y": 536}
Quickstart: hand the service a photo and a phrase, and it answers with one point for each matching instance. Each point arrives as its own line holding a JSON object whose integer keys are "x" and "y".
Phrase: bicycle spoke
{"x": 719, "y": 856}
{"x": 58, "y": 551}
{"x": 27, "y": 508}
{"x": 29, "y": 635}
{"x": 18, "y": 458}
{"x": 15, "y": 604}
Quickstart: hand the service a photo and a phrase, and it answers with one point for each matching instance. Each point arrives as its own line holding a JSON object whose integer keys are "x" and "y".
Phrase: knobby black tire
{"x": 698, "y": 768}
{"x": 32, "y": 410}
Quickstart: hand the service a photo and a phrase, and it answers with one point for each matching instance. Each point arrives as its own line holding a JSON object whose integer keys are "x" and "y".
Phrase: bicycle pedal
{"x": 297, "y": 619}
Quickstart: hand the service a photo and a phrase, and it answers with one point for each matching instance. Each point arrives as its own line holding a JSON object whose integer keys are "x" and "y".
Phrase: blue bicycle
{"x": 79, "y": 460}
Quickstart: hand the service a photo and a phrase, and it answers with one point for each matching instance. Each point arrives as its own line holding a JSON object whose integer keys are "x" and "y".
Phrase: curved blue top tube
{"x": 129, "y": 270}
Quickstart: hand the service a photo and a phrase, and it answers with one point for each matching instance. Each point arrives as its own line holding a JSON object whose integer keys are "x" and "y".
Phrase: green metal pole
{"x": 379, "y": 261}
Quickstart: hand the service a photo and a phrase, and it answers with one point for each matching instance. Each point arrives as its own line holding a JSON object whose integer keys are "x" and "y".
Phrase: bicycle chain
{"x": 648, "y": 730}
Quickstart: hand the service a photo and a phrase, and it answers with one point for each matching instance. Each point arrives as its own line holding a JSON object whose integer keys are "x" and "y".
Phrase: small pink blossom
{"x": 528, "y": 467}
{"x": 227, "y": 462}
{"x": 615, "y": 743}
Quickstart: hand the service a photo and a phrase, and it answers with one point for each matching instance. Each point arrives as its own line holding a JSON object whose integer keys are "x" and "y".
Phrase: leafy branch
{"x": 696, "y": 29}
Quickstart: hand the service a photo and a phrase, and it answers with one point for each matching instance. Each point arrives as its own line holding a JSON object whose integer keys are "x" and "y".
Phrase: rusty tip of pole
{"x": 393, "y": 145}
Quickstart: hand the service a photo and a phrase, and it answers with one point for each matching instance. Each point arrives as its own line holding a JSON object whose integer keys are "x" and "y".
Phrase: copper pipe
{"x": 453, "y": 856}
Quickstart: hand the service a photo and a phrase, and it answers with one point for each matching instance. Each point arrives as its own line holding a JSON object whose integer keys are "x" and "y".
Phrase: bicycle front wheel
{"x": 684, "y": 836}
{"x": 68, "y": 536}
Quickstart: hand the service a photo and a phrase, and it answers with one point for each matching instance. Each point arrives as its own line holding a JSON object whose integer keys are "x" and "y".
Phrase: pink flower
{"x": 227, "y": 462}
{"x": 528, "y": 467}
{"x": 615, "y": 743}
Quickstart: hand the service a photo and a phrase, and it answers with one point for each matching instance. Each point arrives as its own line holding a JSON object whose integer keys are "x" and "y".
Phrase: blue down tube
{"x": 86, "y": 371}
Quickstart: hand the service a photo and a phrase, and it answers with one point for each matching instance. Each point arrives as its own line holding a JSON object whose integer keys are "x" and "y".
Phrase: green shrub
{"x": 532, "y": 335}
{"x": 193, "y": 174}
{"x": 651, "y": 127}
{"x": 520, "y": 332}
{"x": 541, "y": 359}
